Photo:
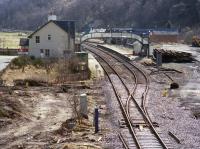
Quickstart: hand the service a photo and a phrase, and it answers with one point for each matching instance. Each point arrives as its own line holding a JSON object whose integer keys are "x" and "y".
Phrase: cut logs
{"x": 174, "y": 56}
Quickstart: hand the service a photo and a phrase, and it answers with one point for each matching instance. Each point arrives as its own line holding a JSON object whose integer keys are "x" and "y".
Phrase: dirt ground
{"x": 39, "y": 116}
{"x": 37, "y": 119}
{"x": 41, "y": 112}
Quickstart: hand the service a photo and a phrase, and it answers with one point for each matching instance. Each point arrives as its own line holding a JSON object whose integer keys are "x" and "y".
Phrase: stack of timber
{"x": 174, "y": 56}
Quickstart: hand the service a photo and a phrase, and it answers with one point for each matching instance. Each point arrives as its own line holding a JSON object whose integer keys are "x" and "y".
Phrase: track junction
{"x": 137, "y": 130}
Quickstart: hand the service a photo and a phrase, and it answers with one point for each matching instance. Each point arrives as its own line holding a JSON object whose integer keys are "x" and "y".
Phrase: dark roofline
{"x": 30, "y": 36}
{"x": 53, "y": 21}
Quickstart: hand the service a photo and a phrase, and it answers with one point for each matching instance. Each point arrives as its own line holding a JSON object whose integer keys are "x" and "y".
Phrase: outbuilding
{"x": 24, "y": 46}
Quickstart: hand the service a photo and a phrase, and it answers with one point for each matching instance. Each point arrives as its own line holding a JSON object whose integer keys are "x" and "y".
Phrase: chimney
{"x": 52, "y": 17}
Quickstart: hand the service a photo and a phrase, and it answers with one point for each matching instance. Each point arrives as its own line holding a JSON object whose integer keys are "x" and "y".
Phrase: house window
{"x": 49, "y": 37}
{"x": 47, "y": 52}
{"x": 37, "y": 39}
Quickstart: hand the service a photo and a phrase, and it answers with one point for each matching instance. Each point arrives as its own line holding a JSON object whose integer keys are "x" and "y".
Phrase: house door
{"x": 47, "y": 53}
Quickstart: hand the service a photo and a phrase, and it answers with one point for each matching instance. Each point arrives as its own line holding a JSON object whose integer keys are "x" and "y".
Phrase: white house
{"x": 53, "y": 39}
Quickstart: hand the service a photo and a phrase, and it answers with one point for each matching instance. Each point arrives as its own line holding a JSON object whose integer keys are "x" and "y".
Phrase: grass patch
{"x": 11, "y": 40}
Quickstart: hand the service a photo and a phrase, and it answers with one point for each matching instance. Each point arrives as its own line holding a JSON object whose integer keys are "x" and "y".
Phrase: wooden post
{"x": 96, "y": 119}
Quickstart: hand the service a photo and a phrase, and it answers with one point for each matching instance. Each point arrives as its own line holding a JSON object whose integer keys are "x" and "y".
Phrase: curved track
{"x": 128, "y": 65}
{"x": 149, "y": 139}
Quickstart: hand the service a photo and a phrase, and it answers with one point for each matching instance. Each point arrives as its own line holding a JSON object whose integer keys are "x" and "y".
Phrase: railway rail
{"x": 149, "y": 138}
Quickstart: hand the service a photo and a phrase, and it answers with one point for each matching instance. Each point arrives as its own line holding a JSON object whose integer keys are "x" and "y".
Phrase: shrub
{"x": 38, "y": 63}
{"x": 21, "y": 62}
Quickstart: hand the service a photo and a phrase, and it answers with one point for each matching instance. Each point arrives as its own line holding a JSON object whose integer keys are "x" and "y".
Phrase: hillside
{"x": 28, "y": 14}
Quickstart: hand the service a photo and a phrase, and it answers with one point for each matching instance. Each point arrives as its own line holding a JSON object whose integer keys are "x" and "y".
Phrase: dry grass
{"x": 30, "y": 73}
{"x": 51, "y": 71}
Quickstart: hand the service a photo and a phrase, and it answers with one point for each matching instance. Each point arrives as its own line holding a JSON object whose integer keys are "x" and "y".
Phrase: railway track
{"x": 134, "y": 110}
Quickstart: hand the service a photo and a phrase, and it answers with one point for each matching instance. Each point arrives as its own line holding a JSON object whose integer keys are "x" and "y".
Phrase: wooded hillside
{"x": 28, "y": 14}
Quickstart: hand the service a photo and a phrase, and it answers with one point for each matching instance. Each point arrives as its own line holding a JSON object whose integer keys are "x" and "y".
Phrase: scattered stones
{"x": 21, "y": 146}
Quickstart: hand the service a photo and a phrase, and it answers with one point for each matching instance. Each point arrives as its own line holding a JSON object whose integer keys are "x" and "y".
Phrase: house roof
{"x": 24, "y": 42}
{"x": 67, "y": 26}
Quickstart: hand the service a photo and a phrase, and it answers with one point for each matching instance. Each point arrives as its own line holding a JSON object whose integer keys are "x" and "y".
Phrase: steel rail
{"x": 133, "y": 90}
{"x": 144, "y": 96}
{"x": 141, "y": 109}
{"x": 123, "y": 141}
{"x": 119, "y": 99}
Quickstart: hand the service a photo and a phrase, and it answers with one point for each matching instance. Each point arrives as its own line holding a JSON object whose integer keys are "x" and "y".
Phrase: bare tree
{"x": 75, "y": 105}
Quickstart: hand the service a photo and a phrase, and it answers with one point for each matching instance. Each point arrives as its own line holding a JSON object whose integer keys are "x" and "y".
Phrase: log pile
{"x": 174, "y": 56}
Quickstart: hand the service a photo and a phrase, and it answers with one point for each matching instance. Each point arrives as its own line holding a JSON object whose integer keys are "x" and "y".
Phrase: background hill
{"x": 28, "y": 14}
